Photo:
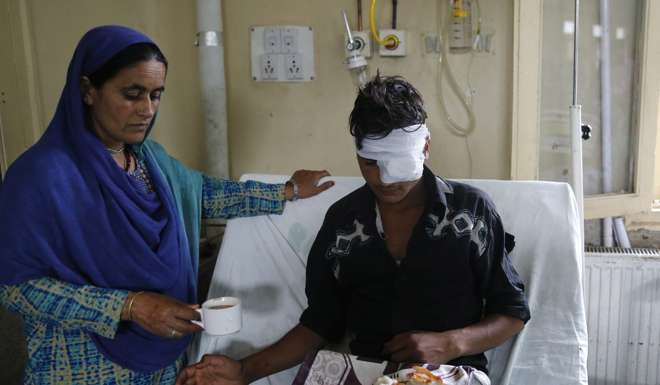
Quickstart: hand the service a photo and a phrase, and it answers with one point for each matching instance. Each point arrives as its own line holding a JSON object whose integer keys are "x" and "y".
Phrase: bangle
{"x": 130, "y": 305}
{"x": 294, "y": 186}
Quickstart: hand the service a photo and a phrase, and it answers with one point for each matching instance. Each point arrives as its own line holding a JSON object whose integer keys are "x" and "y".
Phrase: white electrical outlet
{"x": 362, "y": 39}
{"x": 282, "y": 53}
{"x": 293, "y": 67}
{"x": 289, "y": 40}
{"x": 398, "y": 49}
{"x": 270, "y": 67}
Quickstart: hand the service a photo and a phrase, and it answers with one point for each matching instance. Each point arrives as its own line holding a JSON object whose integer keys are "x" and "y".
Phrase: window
{"x": 542, "y": 93}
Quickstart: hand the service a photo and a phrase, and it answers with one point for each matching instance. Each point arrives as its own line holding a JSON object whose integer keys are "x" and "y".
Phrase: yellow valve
{"x": 391, "y": 42}
{"x": 459, "y": 10}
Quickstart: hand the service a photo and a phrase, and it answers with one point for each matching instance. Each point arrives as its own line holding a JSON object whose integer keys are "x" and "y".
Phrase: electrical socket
{"x": 272, "y": 40}
{"x": 270, "y": 67}
{"x": 289, "y": 40}
{"x": 399, "y": 49}
{"x": 282, "y": 53}
{"x": 364, "y": 43}
{"x": 294, "y": 67}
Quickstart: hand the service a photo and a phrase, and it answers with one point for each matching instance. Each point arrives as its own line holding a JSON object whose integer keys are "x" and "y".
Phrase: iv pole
{"x": 578, "y": 131}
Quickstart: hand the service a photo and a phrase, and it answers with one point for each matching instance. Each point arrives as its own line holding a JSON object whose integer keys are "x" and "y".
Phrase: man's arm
{"x": 285, "y": 353}
{"x": 442, "y": 347}
{"x": 222, "y": 370}
{"x": 322, "y": 320}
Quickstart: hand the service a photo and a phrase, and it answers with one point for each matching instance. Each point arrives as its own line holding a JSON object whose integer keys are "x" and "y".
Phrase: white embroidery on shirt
{"x": 479, "y": 236}
{"x": 344, "y": 243}
{"x": 462, "y": 224}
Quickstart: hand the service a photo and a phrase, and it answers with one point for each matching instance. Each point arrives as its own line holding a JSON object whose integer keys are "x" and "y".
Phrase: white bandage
{"x": 400, "y": 155}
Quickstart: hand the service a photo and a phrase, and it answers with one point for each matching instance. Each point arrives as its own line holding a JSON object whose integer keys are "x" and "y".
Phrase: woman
{"x": 99, "y": 227}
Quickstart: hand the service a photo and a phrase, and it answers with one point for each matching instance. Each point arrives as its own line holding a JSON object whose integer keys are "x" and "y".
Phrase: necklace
{"x": 115, "y": 150}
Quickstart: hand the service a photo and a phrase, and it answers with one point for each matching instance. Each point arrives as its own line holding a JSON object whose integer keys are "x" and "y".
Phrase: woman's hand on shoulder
{"x": 307, "y": 182}
{"x": 162, "y": 315}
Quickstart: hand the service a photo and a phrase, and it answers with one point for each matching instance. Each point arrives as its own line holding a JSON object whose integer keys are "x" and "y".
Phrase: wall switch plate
{"x": 363, "y": 39}
{"x": 282, "y": 53}
{"x": 399, "y": 49}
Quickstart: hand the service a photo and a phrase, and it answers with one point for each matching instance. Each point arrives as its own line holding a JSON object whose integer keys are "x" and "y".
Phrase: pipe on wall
{"x": 610, "y": 226}
{"x": 605, "y": 112}
{"x": 621, "y": 234}
{"x": 210, "y": 49}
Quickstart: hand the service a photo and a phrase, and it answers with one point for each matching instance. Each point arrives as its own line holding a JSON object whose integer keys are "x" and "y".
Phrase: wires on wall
{"x": 445, "y": 72}
{"x": 394, "y": 12}
{"x": 388, "y": 40}
{"x": 359, "y": 15}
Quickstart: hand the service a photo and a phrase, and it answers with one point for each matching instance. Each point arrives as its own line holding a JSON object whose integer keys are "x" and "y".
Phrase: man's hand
{"x": 213, "y": 370}
{"x": 428, "y": 347}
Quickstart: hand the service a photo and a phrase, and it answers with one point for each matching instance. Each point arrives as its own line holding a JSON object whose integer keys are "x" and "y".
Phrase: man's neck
{"x": 415, "y": 198}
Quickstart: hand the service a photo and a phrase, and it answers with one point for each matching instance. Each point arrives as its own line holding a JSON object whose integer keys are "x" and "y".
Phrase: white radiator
{"x": 622, "y": 294}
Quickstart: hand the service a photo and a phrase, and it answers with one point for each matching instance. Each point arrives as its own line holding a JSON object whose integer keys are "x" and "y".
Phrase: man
{"x": 411, "y": 267}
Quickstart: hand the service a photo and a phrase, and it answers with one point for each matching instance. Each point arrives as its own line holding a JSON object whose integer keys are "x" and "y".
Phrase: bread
{"x": 418, "y": 375}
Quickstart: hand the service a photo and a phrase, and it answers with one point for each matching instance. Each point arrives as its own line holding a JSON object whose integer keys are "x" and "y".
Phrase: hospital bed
{"x": 262, "y": 261}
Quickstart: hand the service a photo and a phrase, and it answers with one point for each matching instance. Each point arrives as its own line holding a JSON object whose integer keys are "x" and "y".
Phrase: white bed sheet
{"x": 262, "y": 261}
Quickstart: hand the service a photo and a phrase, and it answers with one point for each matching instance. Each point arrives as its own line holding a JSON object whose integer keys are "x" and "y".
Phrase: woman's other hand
{"x": 307, "y": 182}
{"x": 161, "y": 315}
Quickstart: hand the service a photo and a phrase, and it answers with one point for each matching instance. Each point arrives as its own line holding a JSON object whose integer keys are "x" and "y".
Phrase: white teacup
{"x": 221, "y": 315}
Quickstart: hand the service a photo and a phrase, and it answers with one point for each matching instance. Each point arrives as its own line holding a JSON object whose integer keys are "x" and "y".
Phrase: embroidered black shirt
{"x": 456, "y": 270}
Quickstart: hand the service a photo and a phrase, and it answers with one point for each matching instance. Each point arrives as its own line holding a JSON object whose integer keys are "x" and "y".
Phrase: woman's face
{"x": 123, "y": 107}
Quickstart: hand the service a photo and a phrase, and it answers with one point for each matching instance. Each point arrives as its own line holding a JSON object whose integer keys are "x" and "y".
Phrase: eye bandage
{"x": 400, "y": 155}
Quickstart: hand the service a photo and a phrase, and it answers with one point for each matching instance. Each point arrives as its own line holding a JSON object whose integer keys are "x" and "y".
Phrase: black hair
{"x": 126, "y": 58}
{"x": 384, "y": 104}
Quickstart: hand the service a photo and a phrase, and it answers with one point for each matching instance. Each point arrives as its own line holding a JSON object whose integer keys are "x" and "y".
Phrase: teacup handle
{"x": 201, "y": 316}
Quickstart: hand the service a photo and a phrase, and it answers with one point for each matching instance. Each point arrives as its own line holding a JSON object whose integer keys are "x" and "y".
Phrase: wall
{"x": 280, "y": 127}
{"x": 54, "y": 28}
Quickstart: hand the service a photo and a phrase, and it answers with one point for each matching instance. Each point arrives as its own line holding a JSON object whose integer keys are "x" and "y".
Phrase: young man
{"x": 411, "y": 267}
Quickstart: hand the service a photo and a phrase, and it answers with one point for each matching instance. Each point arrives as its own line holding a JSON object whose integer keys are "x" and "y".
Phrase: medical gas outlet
{"x": 361, "y": 44}
{"x": 394, "y": 42}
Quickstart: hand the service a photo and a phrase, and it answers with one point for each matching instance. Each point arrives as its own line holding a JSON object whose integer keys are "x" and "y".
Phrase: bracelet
{"x": 294, "y": 185}
{"x": 130, "y": 305}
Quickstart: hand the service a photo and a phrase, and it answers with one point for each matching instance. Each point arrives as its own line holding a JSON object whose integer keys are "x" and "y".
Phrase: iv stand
{"x": 578, "y": 131}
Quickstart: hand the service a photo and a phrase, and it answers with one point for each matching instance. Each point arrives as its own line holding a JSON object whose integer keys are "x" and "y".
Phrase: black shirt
{"x": 455, "y": 271}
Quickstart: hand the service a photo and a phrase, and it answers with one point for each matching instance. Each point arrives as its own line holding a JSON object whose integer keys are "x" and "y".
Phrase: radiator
{"x": 622, "y": 298}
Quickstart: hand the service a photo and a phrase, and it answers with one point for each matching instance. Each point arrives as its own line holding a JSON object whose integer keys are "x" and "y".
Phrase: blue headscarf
{"x": 68, "y": 212}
